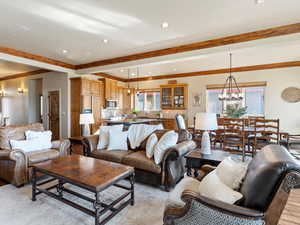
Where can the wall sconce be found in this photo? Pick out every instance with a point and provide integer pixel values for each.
(20, 90)
(2, 93)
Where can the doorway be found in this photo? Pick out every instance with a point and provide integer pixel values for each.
(54, 114)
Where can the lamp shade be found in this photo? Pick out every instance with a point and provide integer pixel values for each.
(86, 118)
(206, 121)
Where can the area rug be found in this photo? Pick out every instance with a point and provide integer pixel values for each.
(16, 208)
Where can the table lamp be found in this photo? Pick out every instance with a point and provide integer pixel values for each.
(86, 119)
(206, 122)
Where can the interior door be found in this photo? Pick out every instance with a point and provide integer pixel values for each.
(54, 114)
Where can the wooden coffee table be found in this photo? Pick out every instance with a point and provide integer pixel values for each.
(90, 174)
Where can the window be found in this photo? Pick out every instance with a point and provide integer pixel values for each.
(148, 101)
(253, 100)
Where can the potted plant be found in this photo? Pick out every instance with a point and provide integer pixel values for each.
(235, 111)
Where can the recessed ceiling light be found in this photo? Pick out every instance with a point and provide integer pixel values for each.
(132, 74)
(174, 69)
(165, 25)
(23, 27)
(65, 51)
(259, 1)
(121, 70)
(105, 41)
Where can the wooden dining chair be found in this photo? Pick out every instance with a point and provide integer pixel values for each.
(251, 120)
(266, 131)
(234, 136)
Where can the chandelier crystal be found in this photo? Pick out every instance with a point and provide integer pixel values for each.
(231, 91)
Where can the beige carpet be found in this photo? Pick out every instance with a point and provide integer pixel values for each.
(16, 208)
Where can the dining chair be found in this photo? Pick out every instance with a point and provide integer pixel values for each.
(234, 139)
(251, 120)
(266, 131)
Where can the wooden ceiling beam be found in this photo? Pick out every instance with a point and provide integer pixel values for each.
(234, 39)
(26, 74)
(18, 53)
(106, 75)
(220, 71)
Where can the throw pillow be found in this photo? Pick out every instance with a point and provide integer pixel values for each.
(169, 139)
(151, 142)
(232, 171)
(117, 140)
(212, 187)
(43, 137)
(27, 145)
(104, 135)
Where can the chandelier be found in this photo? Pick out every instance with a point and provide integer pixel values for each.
(231, 91)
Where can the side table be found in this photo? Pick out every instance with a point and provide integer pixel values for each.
(195, 160)
(77, 141)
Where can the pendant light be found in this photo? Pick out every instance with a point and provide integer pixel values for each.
(231, 91)
(128, 88)
(137, 83)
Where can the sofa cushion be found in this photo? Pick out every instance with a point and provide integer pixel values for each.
(41, 156)
(141, 161)
(16, 133)
(265, 172)
(187, 183)
(158, 133)
(113, 156)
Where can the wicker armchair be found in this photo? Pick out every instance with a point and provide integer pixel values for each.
(270, 177)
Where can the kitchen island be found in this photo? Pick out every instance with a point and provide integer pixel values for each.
(167, 122)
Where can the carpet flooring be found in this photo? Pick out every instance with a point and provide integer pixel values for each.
(19, 209)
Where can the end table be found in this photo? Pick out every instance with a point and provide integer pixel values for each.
(77, 141)
(195, 160)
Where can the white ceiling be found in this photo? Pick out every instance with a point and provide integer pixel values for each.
(11, 68)
(283, 50)
(132, 26)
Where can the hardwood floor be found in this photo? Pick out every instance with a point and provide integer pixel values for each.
(291, 213)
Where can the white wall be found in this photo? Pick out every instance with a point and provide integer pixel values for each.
(275, 106)
(56, 81)
(18, 107)
(14, 105)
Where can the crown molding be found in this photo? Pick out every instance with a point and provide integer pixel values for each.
(26, 74)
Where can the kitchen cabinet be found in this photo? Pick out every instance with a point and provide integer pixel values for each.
(111, 89)
(86, 94)
(174, 96)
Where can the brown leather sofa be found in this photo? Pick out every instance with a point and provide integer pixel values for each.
(15, 164)
(270, 177)
(168, 173)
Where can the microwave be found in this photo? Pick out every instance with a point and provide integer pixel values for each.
(112, 104)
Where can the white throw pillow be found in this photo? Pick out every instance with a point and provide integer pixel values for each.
(117, 140)
(151, 142)
(104, 135)
(27, 145)
(212, 187)
(43, 137)
(232, 171)
(169, 139)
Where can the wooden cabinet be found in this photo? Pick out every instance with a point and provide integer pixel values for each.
(111, 89)
(86, 94)
(174, 96)
(128, 100)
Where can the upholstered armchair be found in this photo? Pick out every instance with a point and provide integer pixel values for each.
(15, 165)
(271, 175)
